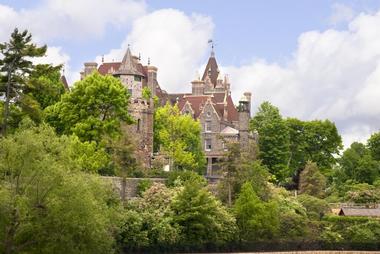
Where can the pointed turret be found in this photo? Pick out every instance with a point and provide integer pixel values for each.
(212, 70)
(128, 66)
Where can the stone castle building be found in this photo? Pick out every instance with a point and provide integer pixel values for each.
(210, 102)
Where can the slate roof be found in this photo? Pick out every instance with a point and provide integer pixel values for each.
(211, 66)
(364, 212)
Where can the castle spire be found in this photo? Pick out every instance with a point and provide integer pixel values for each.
(128, 65)
(211, 70)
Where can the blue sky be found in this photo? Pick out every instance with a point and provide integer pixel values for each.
(312, 59)
(243, 29)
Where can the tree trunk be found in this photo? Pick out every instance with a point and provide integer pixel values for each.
(229, 194)
(6, 105)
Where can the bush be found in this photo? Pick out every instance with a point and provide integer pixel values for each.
(143, 185)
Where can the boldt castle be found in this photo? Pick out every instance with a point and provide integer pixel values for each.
(209, 101)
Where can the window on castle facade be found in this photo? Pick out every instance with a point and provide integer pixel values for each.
(137, 78)
(208, 145)
(208, 126)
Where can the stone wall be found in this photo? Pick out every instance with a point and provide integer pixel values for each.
(128, 189)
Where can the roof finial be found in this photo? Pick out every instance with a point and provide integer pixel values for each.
(63, 70)
(148, 60)
(210, 41)
(139, 56)
(102, 58)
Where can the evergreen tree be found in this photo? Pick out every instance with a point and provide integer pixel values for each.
(312, 181)
(15, 65)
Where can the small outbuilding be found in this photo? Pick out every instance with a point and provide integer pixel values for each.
(359, 212)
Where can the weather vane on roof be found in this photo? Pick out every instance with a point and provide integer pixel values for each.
(210, 41)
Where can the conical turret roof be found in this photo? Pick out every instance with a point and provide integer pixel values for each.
(211, 69)
(128, 65)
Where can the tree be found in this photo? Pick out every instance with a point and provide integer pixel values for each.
(148, 223)
(256, 220)
(317, 141)
(273, 140)
(48, 204)
(16, 64)
(179, 137)
(240, 167)
(44, 85)
(95, 108)
(357, 164)
(316, 208)
(374, 145)
(201, 218)
(312, 181)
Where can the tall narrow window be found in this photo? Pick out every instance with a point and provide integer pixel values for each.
(208, 145)
(208, 126)
(138, 125)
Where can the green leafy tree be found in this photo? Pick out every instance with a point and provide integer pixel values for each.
(317, 141)
(95, 108)
(179, 137)
(201, 218)
(238, 168)
(256, 220)
(312, 181)
(44, 85)
(374, 145)
(274, 143)
(148, 223)
(15, 65)
(357, 164)
(294, 223)
(48, 204)
(316, 208)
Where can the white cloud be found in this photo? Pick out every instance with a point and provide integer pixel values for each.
(70, 19)
(174, 42)
(332, 74)
(341, 13)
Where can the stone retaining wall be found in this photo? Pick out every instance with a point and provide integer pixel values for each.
(128, 188)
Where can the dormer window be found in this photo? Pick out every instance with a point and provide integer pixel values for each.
(138, 78)
(208, 113)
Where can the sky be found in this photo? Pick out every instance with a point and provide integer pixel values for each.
(312, 59)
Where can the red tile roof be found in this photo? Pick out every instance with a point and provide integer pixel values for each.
(197, 103)
(105, 68)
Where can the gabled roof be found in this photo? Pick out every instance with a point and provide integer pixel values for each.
(217, 99)
(212, 68)
(366, 212)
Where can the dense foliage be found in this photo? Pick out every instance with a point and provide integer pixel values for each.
(178, 136)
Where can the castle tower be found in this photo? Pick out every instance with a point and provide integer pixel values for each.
(152, 79)
(89, 67)
(130, 74)
(244, 119)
